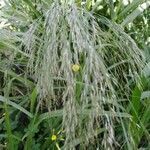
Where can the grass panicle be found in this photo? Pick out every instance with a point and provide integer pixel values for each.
(80, 68)
(71, 35)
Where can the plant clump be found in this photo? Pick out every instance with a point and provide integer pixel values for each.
(102, 58)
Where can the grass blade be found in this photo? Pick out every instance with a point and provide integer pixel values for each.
(2, 99)
(131, 6)
(135, 13)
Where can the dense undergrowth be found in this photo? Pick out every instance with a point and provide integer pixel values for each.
(74, 75)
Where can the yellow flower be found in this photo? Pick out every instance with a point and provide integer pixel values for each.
(75, 67)
(54, 137)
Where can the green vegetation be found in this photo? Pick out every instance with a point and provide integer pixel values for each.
(74, 75)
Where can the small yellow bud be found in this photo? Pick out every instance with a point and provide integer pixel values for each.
(75, 67)
(54, 137)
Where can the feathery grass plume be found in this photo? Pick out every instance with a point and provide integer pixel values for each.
(107, 58)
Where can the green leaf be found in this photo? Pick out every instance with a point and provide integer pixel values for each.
(136, 95)
(33, 99)
(112, 12)
(47, 115)
(88, 4)
(130, 7)
(3, 99)
(135, 13)
(78, 2)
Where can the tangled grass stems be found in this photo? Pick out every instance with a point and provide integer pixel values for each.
(72, 36)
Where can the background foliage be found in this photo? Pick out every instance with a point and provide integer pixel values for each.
(45, 104)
